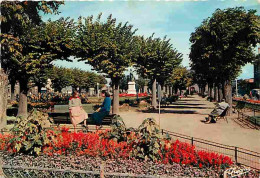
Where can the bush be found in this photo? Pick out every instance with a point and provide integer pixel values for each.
(146, 143)
(28, 135)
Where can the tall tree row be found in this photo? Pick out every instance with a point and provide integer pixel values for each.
(156, 59)
(221, 45)
(29, 46)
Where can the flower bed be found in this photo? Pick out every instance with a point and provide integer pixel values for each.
(97, 144)
(247, 100)
(144, 144)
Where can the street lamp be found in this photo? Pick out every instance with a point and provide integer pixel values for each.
(236, 89)
(98, 90)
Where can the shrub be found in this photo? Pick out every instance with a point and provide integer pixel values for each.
(146, 144)
(118, 129)
(29, 135)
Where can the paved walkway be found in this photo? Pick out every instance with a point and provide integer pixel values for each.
(185, 117)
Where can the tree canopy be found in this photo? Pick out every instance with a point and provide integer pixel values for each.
(107, 47)
(222, 44)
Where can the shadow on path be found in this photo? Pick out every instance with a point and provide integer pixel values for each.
(187, 100)
(187, 104)
(186, 107)
(170, 111)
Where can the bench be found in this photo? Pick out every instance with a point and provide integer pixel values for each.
(239, 107)
(255, 120)
(64, 118)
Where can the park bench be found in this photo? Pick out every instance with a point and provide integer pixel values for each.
(245, 119)
(239, 107)
(64, 118)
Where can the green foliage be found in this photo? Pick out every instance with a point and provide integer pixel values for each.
(222, 44)
(22, 21)
(148, 144)
(123, 85)
(29, 134)
(106, 46)
(145, 140)
(118, 129)
(181, 78)
(141, 82)
(62, 77)
(155, 58)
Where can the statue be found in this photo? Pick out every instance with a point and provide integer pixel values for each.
(131, 84)
(131, 76)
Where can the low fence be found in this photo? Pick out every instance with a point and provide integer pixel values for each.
(27, 172)
(245, 117)
(238, 155)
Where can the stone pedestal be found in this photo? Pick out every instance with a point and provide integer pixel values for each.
(131, 88)
(91, 91)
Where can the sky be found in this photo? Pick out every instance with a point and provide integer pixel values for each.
(176, 19)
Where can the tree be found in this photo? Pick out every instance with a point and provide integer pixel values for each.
(228, 38)
(141, 83)
(155, 60)
(124, 83)
(40, 78)
(60, 78)
(107, 47)
(180, 78)
(41, 42)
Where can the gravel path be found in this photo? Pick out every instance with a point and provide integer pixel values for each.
(185, 117)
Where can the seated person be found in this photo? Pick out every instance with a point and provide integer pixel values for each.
(164, 98)
(77, 113)
(103, 111)
(218, 110)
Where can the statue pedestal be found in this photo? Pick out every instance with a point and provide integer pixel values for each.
(131, 88)
(91, 91)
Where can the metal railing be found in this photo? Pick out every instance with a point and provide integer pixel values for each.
(238, 155)
(32, 172)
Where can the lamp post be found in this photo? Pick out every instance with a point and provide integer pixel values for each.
(236, 89)
(159, 100)
(98, 90)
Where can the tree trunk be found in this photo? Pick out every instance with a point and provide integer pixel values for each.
(210, 91)
(215, 93)
(223, 90)
(39, 88)
(154, 102)
(176, 90)
(220, 94)
(12, 91)
(22, 110)
(228, 95)
(115, 96)
(3, 98)
(145, 89)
